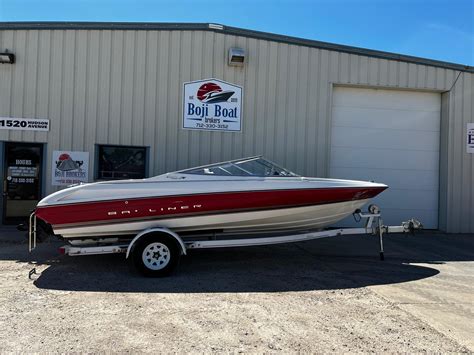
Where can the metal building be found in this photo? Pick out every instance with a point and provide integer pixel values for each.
(320, 109)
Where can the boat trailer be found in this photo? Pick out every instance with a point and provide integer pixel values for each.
(373, 226)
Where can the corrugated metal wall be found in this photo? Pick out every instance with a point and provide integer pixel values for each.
(125, 87)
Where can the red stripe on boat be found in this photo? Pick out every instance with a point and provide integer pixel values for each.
(167, 206)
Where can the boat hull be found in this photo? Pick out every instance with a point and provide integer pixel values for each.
(238, 205)
(279, 219)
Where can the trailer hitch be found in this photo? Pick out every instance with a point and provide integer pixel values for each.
(412, 225)
(409, 226)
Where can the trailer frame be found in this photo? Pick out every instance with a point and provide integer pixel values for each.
(373, 226)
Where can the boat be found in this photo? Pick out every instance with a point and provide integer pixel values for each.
(243, 196)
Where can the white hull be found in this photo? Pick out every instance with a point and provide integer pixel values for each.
(295, 218)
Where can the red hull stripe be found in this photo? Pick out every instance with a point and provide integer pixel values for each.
(167, 206)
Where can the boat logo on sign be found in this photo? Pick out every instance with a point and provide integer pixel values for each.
(66, 163)
(212, 93)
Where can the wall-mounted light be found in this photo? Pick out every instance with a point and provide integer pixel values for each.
(237, 57)
(7, 58)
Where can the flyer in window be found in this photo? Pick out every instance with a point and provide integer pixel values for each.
(69, 168)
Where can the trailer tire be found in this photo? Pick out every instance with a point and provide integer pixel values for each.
(156, 255)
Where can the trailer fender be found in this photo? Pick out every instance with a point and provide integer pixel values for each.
(154, 230)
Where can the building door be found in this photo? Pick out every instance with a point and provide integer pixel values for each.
(392, 137)
(21, 180)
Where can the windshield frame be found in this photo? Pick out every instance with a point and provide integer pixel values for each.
(274, 170)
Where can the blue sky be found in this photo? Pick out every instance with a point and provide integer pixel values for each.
(437, 29)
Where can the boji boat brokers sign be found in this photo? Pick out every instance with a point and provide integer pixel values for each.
(470, 138)
(70, 168)
(212, 104)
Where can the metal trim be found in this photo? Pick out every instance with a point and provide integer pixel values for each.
(147, 26)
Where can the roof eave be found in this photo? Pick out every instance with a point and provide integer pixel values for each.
(218, 28)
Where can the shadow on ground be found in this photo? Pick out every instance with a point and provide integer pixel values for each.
(325, 264)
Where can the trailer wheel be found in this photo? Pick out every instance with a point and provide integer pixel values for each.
(156, 255)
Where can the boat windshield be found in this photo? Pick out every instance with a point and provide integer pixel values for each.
(257, 166)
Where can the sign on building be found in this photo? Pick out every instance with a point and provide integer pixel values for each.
(70, 168)
(213, 105)
(470, 138)
(24, 124)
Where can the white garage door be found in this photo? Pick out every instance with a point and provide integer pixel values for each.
(391, 137)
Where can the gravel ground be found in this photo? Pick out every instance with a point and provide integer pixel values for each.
(308, 297)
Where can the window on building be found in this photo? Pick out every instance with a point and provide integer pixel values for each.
(121, 162)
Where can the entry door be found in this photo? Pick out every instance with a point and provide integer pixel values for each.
(21, 180)
(392, 137)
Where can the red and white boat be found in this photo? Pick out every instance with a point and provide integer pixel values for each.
(240, 196)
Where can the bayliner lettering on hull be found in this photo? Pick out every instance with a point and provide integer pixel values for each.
(161, 209)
